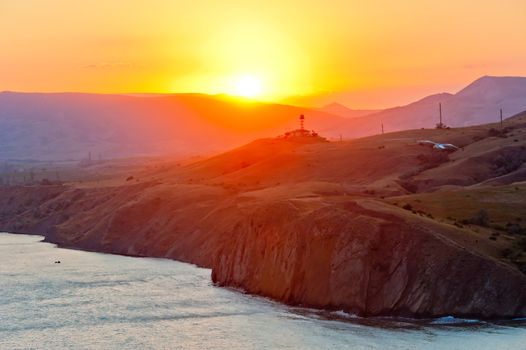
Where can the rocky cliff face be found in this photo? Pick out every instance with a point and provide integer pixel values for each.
(335, 252)
(368, 262)
(308, 223)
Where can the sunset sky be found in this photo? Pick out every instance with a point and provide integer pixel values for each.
(366, 54)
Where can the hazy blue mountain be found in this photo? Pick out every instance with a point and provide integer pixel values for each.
(70, 125)
(477, 103)
(346, 112)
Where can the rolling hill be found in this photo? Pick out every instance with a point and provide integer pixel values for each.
(345, 112)
(478, 103)
(58, 126)
(70, 125)
(374, 226)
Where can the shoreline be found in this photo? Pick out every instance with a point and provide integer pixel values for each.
(450, 320)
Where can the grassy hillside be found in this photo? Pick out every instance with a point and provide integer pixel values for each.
(374, 226)
(69, 125)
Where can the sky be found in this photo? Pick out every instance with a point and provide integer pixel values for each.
(365, 54)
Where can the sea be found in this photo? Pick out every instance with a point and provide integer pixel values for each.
(55, 298)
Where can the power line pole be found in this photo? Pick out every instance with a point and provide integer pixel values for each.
(382, 128)
(501, 118)
(440, 113)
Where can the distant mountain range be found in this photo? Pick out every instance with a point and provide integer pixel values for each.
(478, 103)
(345, 112)
(53, 126)
(71, 125)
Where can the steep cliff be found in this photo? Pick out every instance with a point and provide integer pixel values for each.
(365, 261)
(315, 224)
(334, 252)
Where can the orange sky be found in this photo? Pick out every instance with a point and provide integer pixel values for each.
(372, 53)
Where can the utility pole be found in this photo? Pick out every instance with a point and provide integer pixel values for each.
(501, 118)
(382, 128)
(440, 113)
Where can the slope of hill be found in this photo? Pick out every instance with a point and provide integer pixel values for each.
(70, 125)
(338, 225)
(478, 103)
(345, 112)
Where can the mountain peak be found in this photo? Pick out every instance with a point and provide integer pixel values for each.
(435, 98)
(341, 110)
(334, 105)
(494, 86)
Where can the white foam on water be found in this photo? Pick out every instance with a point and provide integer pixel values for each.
(344, 314)
(454, 320)
(102, 301)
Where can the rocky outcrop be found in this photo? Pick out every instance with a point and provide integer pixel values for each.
(365, 262)
(331, 252)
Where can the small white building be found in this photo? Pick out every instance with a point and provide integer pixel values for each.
(301, 132)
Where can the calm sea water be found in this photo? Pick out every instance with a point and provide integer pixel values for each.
(101, 301)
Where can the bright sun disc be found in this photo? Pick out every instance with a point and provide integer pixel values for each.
(248, 86)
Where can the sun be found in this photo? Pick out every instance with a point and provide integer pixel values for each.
(248, 86)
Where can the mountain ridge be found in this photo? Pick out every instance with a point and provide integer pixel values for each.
(350, 225)
(473, 105)
(70, 125)
(346, 112)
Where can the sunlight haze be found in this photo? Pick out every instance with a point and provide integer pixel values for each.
(366, 54)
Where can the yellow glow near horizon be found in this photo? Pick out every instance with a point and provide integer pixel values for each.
(248, 86)
(365, 54)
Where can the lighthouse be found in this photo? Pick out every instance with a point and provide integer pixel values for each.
(302, 132)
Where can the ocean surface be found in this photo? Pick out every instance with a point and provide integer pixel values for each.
(101, 301)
